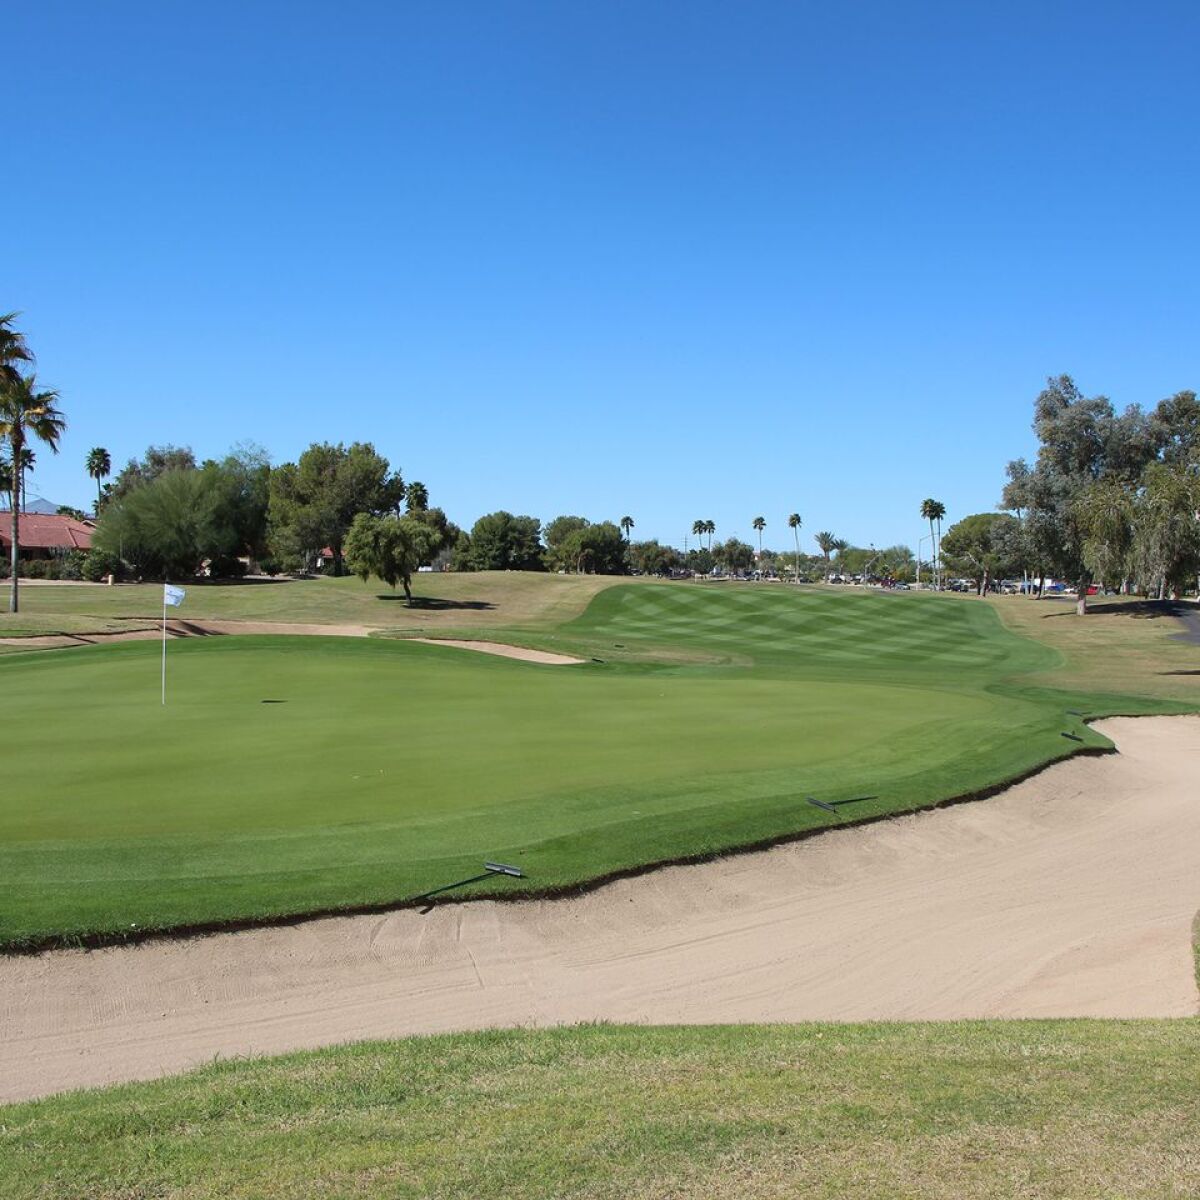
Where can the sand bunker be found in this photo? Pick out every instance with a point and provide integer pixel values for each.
(536, 656)
(1071, 894)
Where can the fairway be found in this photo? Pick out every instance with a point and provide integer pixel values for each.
(292, 775)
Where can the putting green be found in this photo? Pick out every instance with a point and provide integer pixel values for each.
(289, 775)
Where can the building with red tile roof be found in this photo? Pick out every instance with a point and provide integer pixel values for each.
(42, 536)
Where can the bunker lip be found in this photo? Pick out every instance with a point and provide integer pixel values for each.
(503, 650)
(1071, 896)
(106, 939)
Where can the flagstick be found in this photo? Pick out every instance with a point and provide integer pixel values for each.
(164, 650)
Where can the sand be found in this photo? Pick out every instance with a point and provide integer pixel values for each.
(1071, 894)
(525, 655)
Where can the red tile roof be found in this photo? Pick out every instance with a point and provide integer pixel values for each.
(46, 533)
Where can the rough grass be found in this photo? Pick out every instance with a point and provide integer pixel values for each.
(446, 600)
(1070, 1110)
(381, 769)
(1122, 645)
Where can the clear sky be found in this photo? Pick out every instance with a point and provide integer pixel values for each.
(675, 260)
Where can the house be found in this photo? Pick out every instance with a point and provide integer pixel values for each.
(45, 536)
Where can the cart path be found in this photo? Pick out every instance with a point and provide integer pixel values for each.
(1071, 894)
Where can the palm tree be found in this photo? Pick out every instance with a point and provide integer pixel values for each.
(759, 523)
(794, 526)
(13, 351)
(6, 479)
(934, 510)
(827, 544)
(99, 464)
(698, 528)
(26, 412)
(710, 527)
(626, 525)
(28, 460)
(841, 546)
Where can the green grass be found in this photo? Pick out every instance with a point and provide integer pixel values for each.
(392, 768)
(1069, 1110)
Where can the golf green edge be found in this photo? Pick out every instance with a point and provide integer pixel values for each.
(288, 777)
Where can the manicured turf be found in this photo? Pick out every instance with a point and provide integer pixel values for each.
(1070, 1110)
(383, 769)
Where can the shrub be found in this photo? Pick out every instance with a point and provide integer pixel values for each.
(98, 565)
(70, 566)
(225, 566)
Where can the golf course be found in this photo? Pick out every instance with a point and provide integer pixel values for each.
(294, 775)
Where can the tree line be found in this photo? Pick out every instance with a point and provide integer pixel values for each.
(1112, 499)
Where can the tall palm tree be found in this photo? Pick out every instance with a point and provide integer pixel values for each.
(827, 543)
(698, 529)
(759, 523)
(626, 525)
(934, 510)
(28, 461)
(794, 526)
(710, 527)
(26, 412)
(99, 464)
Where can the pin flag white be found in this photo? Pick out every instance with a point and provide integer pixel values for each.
(174, 597)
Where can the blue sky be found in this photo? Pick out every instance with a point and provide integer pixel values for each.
(675, 260)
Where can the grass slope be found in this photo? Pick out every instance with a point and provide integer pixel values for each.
(1071, 1110)
(385, 769)
(445, 600)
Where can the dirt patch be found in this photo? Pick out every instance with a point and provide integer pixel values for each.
(1070, 894)
(504, 651)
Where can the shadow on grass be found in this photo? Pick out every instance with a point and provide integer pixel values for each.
(1145, 610)
(434, 604)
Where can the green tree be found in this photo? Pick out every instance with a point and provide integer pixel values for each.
(390, 548)
(933, 511)
(503, 542)
(560, 557)
(1105, 513)
(626, 526)
(27, 460)
(416, 497)
(759, 523)
(1082, 442)
(735, 555)
(158, 460)
(15, 355)
(25, 412)
(1167, 528)
(651, 558)
(99, 466)
(983, 547)
(827, 543)
(842, 547)
(596, 549)
(314, 500)
(794, 523)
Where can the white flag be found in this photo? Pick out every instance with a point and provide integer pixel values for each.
(173, 595)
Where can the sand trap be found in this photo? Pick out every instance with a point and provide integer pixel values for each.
(1071, 894)
(536, 656)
